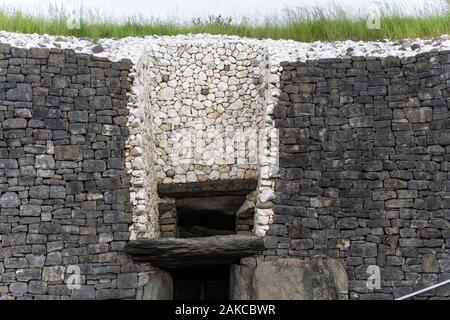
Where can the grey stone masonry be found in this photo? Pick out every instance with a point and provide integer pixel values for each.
(64, 192)
(353, 163)
(364, 177)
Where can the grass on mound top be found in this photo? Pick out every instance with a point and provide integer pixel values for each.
(297, 24)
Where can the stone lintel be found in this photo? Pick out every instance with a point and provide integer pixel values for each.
(173, 253)
(208, 188)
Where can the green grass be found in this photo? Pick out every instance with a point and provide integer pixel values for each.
(301, 25)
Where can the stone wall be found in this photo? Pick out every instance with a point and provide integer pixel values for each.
(64, 189)
(141, 155)
(364, 162)
(350, 155)
(207, 108)
(199, 117)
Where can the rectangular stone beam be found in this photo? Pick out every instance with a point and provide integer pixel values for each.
(173, 253)
(208, 188)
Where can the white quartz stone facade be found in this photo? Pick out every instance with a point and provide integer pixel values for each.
(207, 110)
(141, 157)
(198, 114)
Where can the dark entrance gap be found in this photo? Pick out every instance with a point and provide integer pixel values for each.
(207, 216)
(208, 188)
(202, 283)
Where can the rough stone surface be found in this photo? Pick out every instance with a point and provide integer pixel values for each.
(158, 287)
(188, 252)
(294, 279)
(364, 171)
(9, 200)
(241, 282)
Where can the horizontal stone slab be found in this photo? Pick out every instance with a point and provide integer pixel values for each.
(173, 253)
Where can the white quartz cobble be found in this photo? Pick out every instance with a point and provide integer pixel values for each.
(279, 50)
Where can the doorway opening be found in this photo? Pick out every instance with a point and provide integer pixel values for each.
(202, 283)
(206, 209)
(207, 216)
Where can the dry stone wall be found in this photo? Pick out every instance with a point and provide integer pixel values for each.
(64, 189)
(350, 155)
(364, 162)
(207, 108)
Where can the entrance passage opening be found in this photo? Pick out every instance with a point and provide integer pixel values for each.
(207, 216)
(215, 208)
(202, 283)
(205, 228)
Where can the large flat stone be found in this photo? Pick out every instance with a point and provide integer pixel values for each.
(208, 188)
(70, 152)
(294, 279)
(9, 200)
(22, 92)
(185, 252)
(241, 282)
(158, 287)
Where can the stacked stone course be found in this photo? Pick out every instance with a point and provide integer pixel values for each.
(207, 104)
(64, 191)
(364, 159)
(353, 164)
